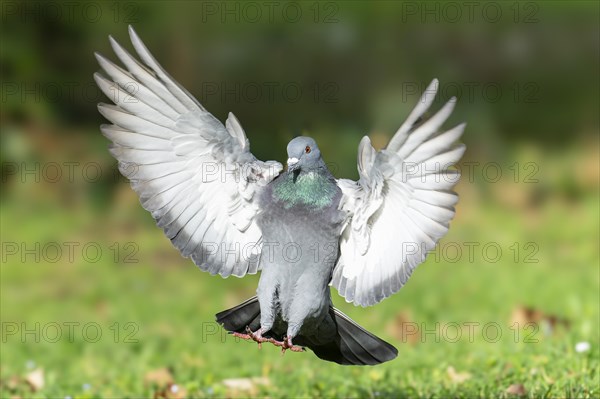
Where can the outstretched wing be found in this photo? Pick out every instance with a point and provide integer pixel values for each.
(196, 176)
(400, 207)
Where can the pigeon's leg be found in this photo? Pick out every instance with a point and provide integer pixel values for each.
(267, 293)
(309, 303)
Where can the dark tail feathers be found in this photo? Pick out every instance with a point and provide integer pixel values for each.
(353, 345)
(237, 318)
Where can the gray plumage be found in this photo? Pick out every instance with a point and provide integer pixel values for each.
(302, 228)
(301, 222)
(297, 266)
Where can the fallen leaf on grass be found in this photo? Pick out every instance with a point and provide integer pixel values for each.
(523, 316)
(516, 389)
(244, 386)
(161, 377)
(12, 384)
(404, 329)
(458, 378)
(171, 391)
(35, 379)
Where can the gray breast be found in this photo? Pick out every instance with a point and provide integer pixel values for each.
(314, 230)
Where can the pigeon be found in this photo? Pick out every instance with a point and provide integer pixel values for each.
(303, 229)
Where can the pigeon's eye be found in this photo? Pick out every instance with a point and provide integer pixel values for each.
(307, 150)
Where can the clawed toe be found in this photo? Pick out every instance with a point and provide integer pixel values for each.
(257, 337)
(286, 344)
(241, 335)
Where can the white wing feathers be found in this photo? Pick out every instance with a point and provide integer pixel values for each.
(196, 176)
(400, 207)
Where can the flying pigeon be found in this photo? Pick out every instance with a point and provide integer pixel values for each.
(302, 228)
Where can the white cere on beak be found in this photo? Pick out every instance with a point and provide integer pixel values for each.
(292, 161)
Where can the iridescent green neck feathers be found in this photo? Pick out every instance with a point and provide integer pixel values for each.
(314, 189)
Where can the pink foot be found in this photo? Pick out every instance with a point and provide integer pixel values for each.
(257, 337)
(254, 336)
(287, 344)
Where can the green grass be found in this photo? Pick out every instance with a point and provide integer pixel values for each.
(170, 306)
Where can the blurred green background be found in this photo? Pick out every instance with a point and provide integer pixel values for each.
(96, 303)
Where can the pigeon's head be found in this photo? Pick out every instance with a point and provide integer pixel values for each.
(303, 153)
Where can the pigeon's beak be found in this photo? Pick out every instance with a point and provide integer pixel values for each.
(292, 164)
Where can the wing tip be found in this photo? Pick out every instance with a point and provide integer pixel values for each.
(135, 38)
(432, 87)
(131, 30)
(113, 42)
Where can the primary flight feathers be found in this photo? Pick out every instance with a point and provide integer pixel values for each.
(179, 152)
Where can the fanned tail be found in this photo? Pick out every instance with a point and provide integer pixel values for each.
(353, 345)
